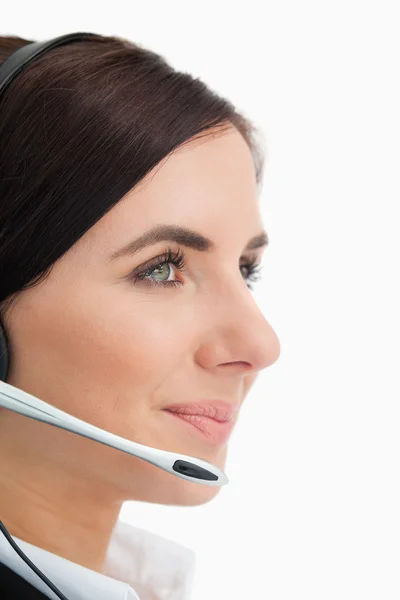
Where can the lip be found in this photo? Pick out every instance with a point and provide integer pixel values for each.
(213, 420)
(219, 410)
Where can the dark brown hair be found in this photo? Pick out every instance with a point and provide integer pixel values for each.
(80, 127)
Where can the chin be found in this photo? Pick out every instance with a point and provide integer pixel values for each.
(128, 478)
(182, 492)
(196, 494)
(149, 483)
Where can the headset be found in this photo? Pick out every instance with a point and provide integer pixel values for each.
(19, 401)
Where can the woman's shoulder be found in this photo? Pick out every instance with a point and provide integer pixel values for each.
(13, 586)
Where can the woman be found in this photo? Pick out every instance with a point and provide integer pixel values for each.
(102, 142)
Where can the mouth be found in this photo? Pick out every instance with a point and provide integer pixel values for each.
(215, 432)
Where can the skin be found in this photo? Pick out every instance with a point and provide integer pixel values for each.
(114, 353)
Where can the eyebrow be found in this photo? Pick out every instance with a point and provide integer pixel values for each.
(183, 236)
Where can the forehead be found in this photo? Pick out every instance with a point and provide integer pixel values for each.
(208, 184)
(201, 182)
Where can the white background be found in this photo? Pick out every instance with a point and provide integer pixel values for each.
(312, 507)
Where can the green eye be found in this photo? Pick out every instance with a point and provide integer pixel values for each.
(157, 273)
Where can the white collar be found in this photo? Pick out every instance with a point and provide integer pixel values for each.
(139, 565)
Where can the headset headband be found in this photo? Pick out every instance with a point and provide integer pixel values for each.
(25, 55)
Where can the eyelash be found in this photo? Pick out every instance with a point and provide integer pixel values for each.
(178, 260)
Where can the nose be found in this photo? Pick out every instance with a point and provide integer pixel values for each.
(236, 334)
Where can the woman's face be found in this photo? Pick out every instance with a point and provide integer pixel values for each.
(115, 351)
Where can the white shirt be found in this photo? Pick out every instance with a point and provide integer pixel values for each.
(155, 568)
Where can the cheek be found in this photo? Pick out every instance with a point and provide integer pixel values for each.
(144, 339)
(139, 346)
(119, 359)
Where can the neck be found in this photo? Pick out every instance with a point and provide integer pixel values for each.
(55, 510)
